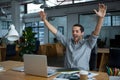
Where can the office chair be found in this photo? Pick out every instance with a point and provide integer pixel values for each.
(10, 51)
(37, 44)
(93, 58)
(114, 58)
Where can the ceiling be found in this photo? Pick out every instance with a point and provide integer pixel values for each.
(7, 3)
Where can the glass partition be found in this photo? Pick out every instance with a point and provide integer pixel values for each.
(60, 23)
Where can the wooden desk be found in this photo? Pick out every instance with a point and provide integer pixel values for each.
(13, 75)
(104, 58)
(103, 50)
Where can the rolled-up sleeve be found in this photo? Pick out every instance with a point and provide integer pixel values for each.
(92, 40)
(61, 38)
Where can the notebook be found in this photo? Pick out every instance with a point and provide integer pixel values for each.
(36, 65)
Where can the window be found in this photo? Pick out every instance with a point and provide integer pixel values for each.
(116, 20)
(38, 28)
(60, 23)
(32, 8)
(6, 24)
(107, 21)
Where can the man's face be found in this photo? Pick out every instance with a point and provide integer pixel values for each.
(77, 34)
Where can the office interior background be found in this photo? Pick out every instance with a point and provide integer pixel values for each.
(24, 13)
(62, 14)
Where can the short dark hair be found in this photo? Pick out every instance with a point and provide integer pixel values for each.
(81, 27)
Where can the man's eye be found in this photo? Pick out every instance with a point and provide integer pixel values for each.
(77, 31)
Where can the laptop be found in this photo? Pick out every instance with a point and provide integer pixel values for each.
(36, 65)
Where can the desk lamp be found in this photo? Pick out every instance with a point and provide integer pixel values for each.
(12, 34)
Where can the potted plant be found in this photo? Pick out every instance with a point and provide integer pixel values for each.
(27, 43)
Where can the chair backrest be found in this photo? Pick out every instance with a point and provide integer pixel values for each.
(93, 59)
(11, 50)
(114, 57)
(37, 44)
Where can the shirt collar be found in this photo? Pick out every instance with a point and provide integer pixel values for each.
(79, 42)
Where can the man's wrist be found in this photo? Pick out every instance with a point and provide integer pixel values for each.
(101, 18)
(44, 19)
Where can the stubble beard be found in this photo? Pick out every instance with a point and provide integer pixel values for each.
(76, 39)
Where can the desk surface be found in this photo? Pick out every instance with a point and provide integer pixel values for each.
(13, 75)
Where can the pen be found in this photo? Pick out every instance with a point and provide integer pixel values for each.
(111, 72)
(116, 71)
(108, 71)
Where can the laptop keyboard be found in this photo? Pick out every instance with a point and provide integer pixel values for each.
(50, 70)
(20, 68)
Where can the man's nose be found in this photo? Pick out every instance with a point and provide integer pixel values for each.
(74, 32)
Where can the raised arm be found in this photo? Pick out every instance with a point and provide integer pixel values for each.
(101, 14)
(49, 26)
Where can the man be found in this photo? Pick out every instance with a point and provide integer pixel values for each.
(78, 50)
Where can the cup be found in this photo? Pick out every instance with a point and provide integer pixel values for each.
(83, 75)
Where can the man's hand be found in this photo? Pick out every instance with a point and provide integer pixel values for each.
(101, 11)
(48, 25)
(42, 15)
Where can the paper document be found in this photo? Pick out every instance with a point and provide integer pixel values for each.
(2, 69)
(73, 75)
